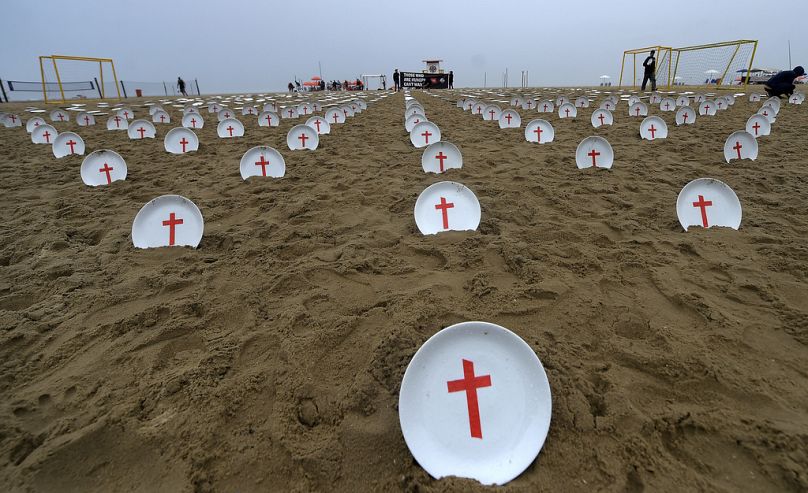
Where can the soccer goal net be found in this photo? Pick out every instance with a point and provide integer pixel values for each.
(70, 77)
(725, 64)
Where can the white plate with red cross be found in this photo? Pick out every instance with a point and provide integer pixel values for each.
(447, 206)
(685, 116)
(492, 112)
(475, 402)
(601, 117)
(67, 144)
(707, 108)
(305, 109)
(11, 120)
(414, 120)
(768, 112)
(44, 134)
(31, 124)
(607, 105)
(539, 131)
(181, 140)
(59, 116)
(348, 110)
(561, 100)
(582, 102)
(319, 124)
(441, 156)
(424, 133)
(302, 137)
(269, 119)
(545, 106)
(567, 110)
(528, 104)
(141, 129)
(594, 152)
(740, 145)
(262, 161)
(638, 109)
(168, 220)
(758, 126)
(126, 113)
(667, 104)
(653, 127)
(193, 121)
(707, 202)
(102, 167)
(116, 122)
(225, 114)
(230, 128)
(249, 111)
(161, 116)
(510, 119)
(334, 116)
(85, 119)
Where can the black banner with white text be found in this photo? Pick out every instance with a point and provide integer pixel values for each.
(419, 80)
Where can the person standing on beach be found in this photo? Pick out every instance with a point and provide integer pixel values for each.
(782, 83)
(650, 71)
(451, 80)
(396, 79)
(181, 86)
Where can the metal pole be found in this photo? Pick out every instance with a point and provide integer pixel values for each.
(42, 71)
(165, 88)
(101, 73)
(124, 91)
(115, 77)
(58, 78)
(485, 79)
(789, 54)
(197, 87)
(97, 86)
(3, 90)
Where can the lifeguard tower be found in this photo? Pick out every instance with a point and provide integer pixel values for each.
(433, 67)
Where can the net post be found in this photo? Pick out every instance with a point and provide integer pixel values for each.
(98, 88)
(42, 72)
(197, 87)
(676, 67)
(58, 77)
(634, 65)
(115, 76)
(102, 92)
(124, 91)
(749, 69)
(165, 89)
(729, 64)
(3, 90)
(622, 66)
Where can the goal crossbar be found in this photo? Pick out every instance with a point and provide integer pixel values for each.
(54, 58)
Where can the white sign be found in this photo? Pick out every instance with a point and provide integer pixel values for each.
(447, 206)
(67, 144)
(594, 152)
(475, 402)
(102, 168)
(168, 220)
(441, 156)
(262, 161)
(707, 202)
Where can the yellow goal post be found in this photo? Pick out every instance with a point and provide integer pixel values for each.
(53, 60)
(727, 64)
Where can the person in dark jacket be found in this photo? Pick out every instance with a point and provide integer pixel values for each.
(181, 86)
(650, 71)
(451, 80)
(782, 83)
(396, 80)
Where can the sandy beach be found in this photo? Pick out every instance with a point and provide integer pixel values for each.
(270, 358)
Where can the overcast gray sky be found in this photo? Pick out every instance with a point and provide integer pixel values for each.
(250, 46)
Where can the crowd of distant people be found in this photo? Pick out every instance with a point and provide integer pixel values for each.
(358, 85)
